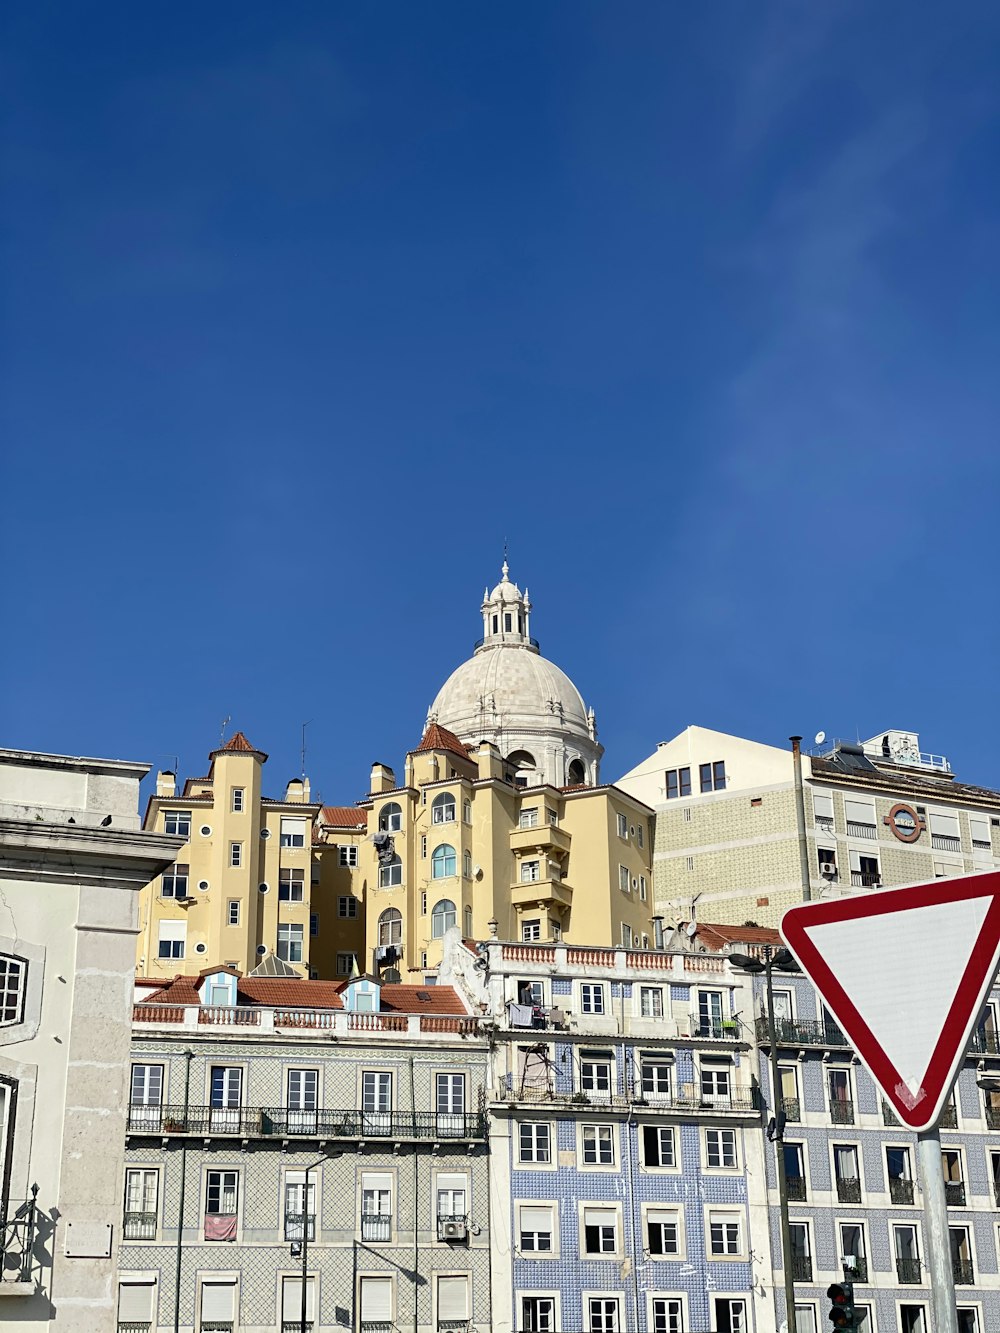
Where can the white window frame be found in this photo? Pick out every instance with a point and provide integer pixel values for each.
(347, 855)
(237, 802)
(291, 938)
(235, 855)
(530, 871)
(592, 998)
(721, 1136)
(347, 907)
(538, 1143)
(727, 1218)
(597, 1147)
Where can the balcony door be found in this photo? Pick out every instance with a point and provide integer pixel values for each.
(226, 1097)
(303, 1092)
(376, 1102)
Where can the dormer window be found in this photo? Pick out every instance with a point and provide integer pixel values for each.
(13, 975)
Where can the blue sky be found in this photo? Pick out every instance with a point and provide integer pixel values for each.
(306, 308)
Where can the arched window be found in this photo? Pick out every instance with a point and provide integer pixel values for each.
(468, 923)
(13, 973)
(443, 809)
(443, 862)
(467, 864)
(521, 761)
(390, 818)
(576, 773)
(390, 926)
(442, 917)
(390, 875)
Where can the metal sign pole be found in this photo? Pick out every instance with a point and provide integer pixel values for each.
(944, 1314)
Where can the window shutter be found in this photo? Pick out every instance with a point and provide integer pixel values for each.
(173, 930)
(373, 1182)
(449, 1181)
(946, 825)
(218, 1300)
(376, 1300)
(453, 1298)
(599, 1217)
(135, 1301)
(291, 1299)
(823, 804)
(661, 1215)
(980, 827)
(534, 1218)
(290, 827)
(859, 812)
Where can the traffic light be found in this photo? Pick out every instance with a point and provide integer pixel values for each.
(841, 1298)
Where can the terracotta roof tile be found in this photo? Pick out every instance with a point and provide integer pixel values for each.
(717, 937)
(344, 816)
(402, 999)
(298, 993)
(437, 737)
(282, 991)
(237, 744)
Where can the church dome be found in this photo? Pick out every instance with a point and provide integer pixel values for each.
(509, 694)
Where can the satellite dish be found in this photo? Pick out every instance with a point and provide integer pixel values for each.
(819, 738)
(691, 929)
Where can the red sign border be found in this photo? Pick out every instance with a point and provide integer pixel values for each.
(950, 1048)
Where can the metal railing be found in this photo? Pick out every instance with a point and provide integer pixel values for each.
(809, 1032)
(802, 1268)
(377, 1326)
(865, 879)
(18, 1238)
(295, 1222)
(900, 1190)
(716, 1029)
(860, 1269)
(856, 830)
(134, 1325)
(791, 1108)
(842, 1112)
(908, 1270)
(944, 842)
(277, 1121)
(524, 638)
(295, 1325)
(376, 1226)
(888, 1115)
(743, 1100)
(139, 1226)
(963, 1272)
(949, 1117)
(795, 1187)
(848, 1189)
(954, 1193)
(984, 1042)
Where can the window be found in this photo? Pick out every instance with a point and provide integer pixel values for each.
(668, 1314)
(600, 1230)
(291, 1300)
(897, 1164)
(710, 1013)
(852, 1246)
(291, 885)
(528, 818)
(912, 1319)
(376, 1206)
(376, 1303)
(865, 872)
(467, 863)
(221, 1202)
(715, 1085)
(662, 1231)
(538, 1314)
(624, 879)
(290, 942)
(423, 902)
(135, 1302)
(591, 998)
(531, 872)
(795, 1177)
(642, 888)
(823, 810)
(907, 1251)
(467, 812)
(443, 809)
(347, 856)
(968, 1319)
(174, 883)
(347, 906)
(536, 1228)
(443, 917)
(720, 1148)
(623, 826)
(531, 930)
(302, 1094)
(730, 1315)
(961, 1255)
(860, 818)
(712, 776)
(805, 1319)
(945, 834)
(651, 1001)
(300, 1212)
(390, 875)
(678, 782)
(802, 1268)
(654, 1076)
(724, 1234)
(452, 1198)
(449, 1101)
(535, 1142)
(658, 1146)
(147, 1096)
(443, 862)
(390, 818)
(237, 800)
(845, 1170)
(826, 858)
(293, 832)
(640, 836)
(453, 1302)
(313, 923)
(602, 1313)
(218, 1302)
(346, 963)
(841, 1103)
(177, 822)
(954, 1177)
(13, 974)
(595, 1072)
(234, 911)
(979, 826)
(530, 992)
(235, 853)
(598, 1145)
(468, 922)
(172, 935)
(141, 1185)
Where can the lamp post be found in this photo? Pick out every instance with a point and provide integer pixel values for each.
(784, 962)
(304, 1307)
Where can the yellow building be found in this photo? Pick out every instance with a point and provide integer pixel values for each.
(241, 886)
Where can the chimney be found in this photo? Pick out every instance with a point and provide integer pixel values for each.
(383, 778)
(166, 783)
(294, 791)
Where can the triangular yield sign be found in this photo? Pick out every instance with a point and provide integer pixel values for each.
(905, 973)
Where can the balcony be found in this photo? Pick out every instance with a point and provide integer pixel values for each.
(860, 1269)
(18, 1239)
(888, 1115)
(865, 879)
(716, 1029)
(218, 1326)
(791, 1109)
(858, 830)
(544, 892)
(133, 1326)
(954, 1193)
(139, 1226)
(278, 1122)
(949, 1117)
(901, 1190)
(841, 1112)
(992, 1116)
(963, 1272)
(848, 1189)
(295, 1326)
(376, 1226)
(743, 1101)
(377, 1326)
(795, 1188)
(296, 1222)
(805, 1033)
(541, 837)
(802, 1268)
(943, 842)
(985, 1041)
(908, 1270)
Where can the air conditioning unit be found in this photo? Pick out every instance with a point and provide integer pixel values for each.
(453, 1230)
(828, 868)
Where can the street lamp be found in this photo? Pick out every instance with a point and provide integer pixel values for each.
(303, 1248)
(782, 960)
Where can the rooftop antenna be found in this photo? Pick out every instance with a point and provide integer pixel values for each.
(304, 725)
(176, 759)
(222, 731)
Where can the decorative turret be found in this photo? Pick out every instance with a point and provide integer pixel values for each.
(506, 616)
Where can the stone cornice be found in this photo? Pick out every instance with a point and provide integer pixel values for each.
(57, 854)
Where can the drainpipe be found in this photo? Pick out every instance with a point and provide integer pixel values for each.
(180, 1202)
(800, 817)
(416, 1198)
(636, 1251)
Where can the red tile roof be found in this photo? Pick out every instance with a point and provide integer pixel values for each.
(344, 816)
(437, 737)
(237, 744)
(717, 937)
(402, 999)
(282, 991)
(298, 993)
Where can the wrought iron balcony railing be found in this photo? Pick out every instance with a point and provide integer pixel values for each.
(842, 1113)
(860, 1269)
(792, 1108)
(295, 1223)
(279, 1122)
(744, 1100)
(802, 1268)
(900, 1190)
(376, 1226)
(804, 1033)
(134, 1325)
(795, 1188)
(908, 1270)
(848, 1189)
(18, 1231)
(963, 1271)
(954, 1193)
(139, 1226)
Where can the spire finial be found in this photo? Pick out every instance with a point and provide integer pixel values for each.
(503, 570)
